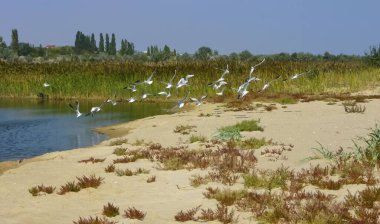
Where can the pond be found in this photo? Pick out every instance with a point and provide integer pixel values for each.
(30, 127)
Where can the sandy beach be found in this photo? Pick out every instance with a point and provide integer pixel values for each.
(304, 126)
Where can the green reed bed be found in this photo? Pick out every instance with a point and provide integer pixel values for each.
(105, 79)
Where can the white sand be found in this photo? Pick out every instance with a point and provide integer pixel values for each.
(302, 124)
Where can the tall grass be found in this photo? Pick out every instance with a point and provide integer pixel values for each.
(104, 79)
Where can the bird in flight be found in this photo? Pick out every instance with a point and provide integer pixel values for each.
(76, 109)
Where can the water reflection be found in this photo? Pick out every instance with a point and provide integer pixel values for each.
(30, 127)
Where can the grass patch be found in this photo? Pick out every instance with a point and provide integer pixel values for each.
(254, 143)
(35, 191)
(110, 168)
(189, 215)
(151, 179)
(95, 220)
(226, 197)
(110, 210)
(184, 129)
(92, 160)
(120, 151)
(92, 181)
(118, 142)
(197, 138)
(133, 213)
(69, 187)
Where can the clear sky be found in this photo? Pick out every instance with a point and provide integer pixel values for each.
(262, 27)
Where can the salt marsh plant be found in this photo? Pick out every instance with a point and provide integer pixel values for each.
(110, 168)
(69, 187)
(184, 129)
(35, 191)
(189, 215)
(197, 138)
(91, 181)
(92, 160)
(110, 210)
(133, 213)
(95, 220)
(151, 179)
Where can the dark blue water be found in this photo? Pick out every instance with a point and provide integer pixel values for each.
(30, 127)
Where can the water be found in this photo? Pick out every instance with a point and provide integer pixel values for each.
(31, 127)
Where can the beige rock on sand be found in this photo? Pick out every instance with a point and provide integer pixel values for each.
(302, 125)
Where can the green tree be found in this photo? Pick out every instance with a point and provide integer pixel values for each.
(113, 45)
(101, 43)
(123, 47)
(14, 43)
(2, 43)
(245, 55)
(203, 53)
(107, 44)
(93, 43)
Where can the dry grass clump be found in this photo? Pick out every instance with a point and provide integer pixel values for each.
(354, 109)
(240, 105)
(69, 187)
(110, 168)
(92, 181)
(35, 191)
(92, 160)
(197, 180)
(221, 214)
(184, 129)
(268, 179)
(151, 179)
(188, 215)
(133, 213)
(226, 197)
(197, 138)
(126, 172)
(120, 151)
(119, 141)
(95, 220)
(125, 159)
(110, 210)
(254, 143)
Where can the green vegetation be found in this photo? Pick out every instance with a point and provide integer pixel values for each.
(232, 132)
(197, 138)
(253, 143)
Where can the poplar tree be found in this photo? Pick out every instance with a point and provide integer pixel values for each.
(107, 44)
(101, 43)
(14, 43)
(93, 43)
(113, 45)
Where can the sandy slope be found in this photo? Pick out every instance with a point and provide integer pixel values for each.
(302, 124)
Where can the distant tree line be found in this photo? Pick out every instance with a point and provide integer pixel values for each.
(86, 47)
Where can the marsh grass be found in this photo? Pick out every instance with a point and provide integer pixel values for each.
(151, 179)
(91, 181)
(222, 214)
(197, 138)
(118, 142)
(184, 129)
(110, 168)
(35, 191)
(95, 220)
(189, 215)
(354, 109)
(69, 187)
(92, 160)
(125, 159)
(226, 197)
(254, 143)
(133, 213)
(120, 151)
(110, 210)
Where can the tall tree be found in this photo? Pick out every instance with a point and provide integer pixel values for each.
(14, 43)
(101, 43)
(107, 44)
(113, 45)
(2, 43)
(93, 43)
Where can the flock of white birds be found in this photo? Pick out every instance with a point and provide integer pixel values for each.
(218, 87)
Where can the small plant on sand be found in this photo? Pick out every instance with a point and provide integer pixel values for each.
(141, 171)
(197, 180)
(286, 100)
(204, 115)
(125, 159)
(188, 215)
(119, 141)
(126, 172)
(92, 181)
(120, 151)
(221, 214)
(110, 210)
(133, 213)
(254, 143)
(35, 191)
(354, 109)
(92, 160)
(110, 168)
(139, 142)
(268, 179)
(69, 187)
(95, 220)
(225, 197)
(184, 129)
(197, 138)
(227, 134)
(151, 179)
(248, 125)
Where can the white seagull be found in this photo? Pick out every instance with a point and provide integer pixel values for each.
(242, 90)
(225, 72)
(163, 93)
(181, 103)
(221, 92)
(296, 76)
(46, 84)
(183, 81)
(149, 81)
(253, 68)
(131, 100)
(198, 101)
(169, 84)
(76, 109)
(94, 110)
(268, 83)
(218, 85)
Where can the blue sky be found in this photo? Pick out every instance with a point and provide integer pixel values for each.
(262, 27)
